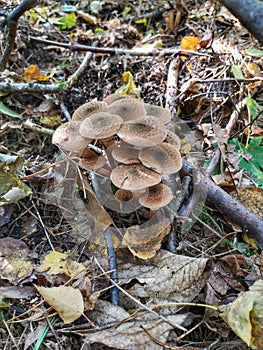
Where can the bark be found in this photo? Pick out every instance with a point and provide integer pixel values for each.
(250, 14)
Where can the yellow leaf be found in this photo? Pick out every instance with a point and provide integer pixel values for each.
(245, 315)
(67, 301)
(33, 73)
(129, 85)
(190, 43)
(57, 263)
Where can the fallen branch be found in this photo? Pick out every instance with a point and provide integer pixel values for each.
(116, 51)
(8, 87)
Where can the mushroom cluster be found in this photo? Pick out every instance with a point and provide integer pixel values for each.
(128, 142)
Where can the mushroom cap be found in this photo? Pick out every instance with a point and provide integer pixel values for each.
(114, 97)
(134, 177)
(163, 158)
(123, 195)
(68, 137)
(90, 160)
(161, 113)
(100, 125)
(156, 196)
(173, 139)
(125, 155)
(83, 111)
(143, 132)
(128, 108)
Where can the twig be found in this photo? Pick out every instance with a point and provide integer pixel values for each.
(37, 128)
(31, 87)
(112, 265)
(11, 21)
(172, 82)
(116, 51)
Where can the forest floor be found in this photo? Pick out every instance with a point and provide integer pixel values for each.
(44, 241)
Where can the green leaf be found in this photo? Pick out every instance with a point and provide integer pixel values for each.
(69, 21)
(141, 21)
(252, 107)
(237, 72)
(8, 111)
(254, 52)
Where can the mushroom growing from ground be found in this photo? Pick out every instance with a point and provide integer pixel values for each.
(159, 112)
(134, 177)
(84, 111)
(90, 160)
(156, 197)
(100, 125)
(125, 155)
(128, 108)
(143, 132)
(68, 137)
(114, 97)
(163, 158)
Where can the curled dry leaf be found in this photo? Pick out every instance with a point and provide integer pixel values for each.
(67, 301)
(143, 242)
(244, 315)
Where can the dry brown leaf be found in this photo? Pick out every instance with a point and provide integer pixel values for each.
(245, 315)
(67, 301)
(167, 276)
(144, 242)
(15, 261)
(121, 334)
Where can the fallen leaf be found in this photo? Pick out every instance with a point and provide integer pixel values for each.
(32, 72)
(67, 301)
(175, 277)
(190, 43)
(244, 316)
(123, 332)
(56, 263)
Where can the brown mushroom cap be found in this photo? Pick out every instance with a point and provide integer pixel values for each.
(134, 177)
(159, 112)
(83, 111)
(100, 125)
(173, 139)
(156, 196)
(143, 132)
(114, 97)
(123, 195)
(163, 158)
(90, 160)
(129, 108)
(68, 137)
(125, 155)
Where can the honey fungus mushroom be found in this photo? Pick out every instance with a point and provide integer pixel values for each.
(134, 177)
(114, 97)
(156, 196)
(125, 155)
(68, 137)
(90, 160)
(163, 158)
(85, 110)
(128, 108)
(100, 125)
(161, 113)
(143, 132)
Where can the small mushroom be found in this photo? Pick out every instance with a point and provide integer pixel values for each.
(125, 155)
(156, 196)
(100, 125)
(114, 97)
(68, 137)
(159, 112)
(84, 111)
(134, 177)
(90, 160)
(163, 158)
(128, 109)
(123, 195)
(143, 132)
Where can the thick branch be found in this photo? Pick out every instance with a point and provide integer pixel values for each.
(250, 14)
(232, 209)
